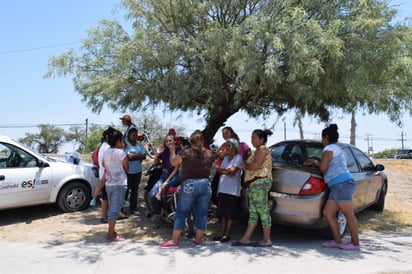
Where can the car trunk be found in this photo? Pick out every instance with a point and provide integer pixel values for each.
(289, 180)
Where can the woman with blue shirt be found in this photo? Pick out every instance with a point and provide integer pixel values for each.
(341, 185)
(136, 153)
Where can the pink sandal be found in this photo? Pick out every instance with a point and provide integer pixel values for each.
(117, 238)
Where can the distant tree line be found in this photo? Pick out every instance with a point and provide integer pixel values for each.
(51, 137)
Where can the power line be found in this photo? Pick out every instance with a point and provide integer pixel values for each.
(38, 48)
(58, 125)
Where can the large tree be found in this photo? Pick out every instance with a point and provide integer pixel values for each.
(219, 57)
(87, 141)
(48, 140)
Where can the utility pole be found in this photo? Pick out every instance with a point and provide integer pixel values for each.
(85, 146)
(370, 147)
(402, 139)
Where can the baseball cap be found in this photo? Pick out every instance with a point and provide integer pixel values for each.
(172, 131)
(126, 118)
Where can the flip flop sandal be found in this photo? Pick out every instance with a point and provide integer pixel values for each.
(225, 239)
(238, 243)
(259, 244)
(117, 238)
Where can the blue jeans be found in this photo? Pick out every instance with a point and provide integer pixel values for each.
(115, 198)
(175, 181)
(195, 194)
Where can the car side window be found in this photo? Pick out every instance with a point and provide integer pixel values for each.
(12, 157)
(4, 154)
(350, 161)
(364, 161)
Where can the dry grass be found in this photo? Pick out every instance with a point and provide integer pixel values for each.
(398, 205)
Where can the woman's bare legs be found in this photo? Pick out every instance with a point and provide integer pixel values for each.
(329, 212)
(249, 231)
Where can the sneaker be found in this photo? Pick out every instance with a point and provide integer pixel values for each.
(135, 212)
(197, 244)
(331, 244)
(126, 203)
(169, 244)
(349, 246)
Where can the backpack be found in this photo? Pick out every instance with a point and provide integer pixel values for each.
(95, 156)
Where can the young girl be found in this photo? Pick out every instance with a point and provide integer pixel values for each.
(116, 167)
(228, 193)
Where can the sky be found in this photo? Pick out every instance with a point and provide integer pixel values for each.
(32, 31)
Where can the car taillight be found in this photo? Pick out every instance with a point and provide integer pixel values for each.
(313, 186)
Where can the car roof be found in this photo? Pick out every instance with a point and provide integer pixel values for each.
(3, 137)
(307, 141)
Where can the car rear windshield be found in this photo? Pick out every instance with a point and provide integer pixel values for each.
(295, 153)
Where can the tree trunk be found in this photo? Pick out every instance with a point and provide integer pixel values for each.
(300, 125)
(353, 129)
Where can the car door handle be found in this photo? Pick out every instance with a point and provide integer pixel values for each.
(2, 177)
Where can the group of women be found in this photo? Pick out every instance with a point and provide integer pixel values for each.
(235, 163)
(256, 167)
(196, 164)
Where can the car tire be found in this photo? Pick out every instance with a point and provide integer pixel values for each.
(342, 225)
(148, 202)
(380, 204)
(190, 225)
(74, 196)
(342, 222)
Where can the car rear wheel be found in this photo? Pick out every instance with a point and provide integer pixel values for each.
(74, 196)
(342, 222)
(190, 225)
(380, 204)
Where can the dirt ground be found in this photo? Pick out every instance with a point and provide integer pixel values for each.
(46, 224)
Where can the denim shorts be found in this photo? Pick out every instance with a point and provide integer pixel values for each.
(115, 198)
(342, 192)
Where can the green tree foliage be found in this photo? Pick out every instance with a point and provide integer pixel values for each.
(154, 126)
(48, 140)
(219, 57)
(77, 135)
(94, 139)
